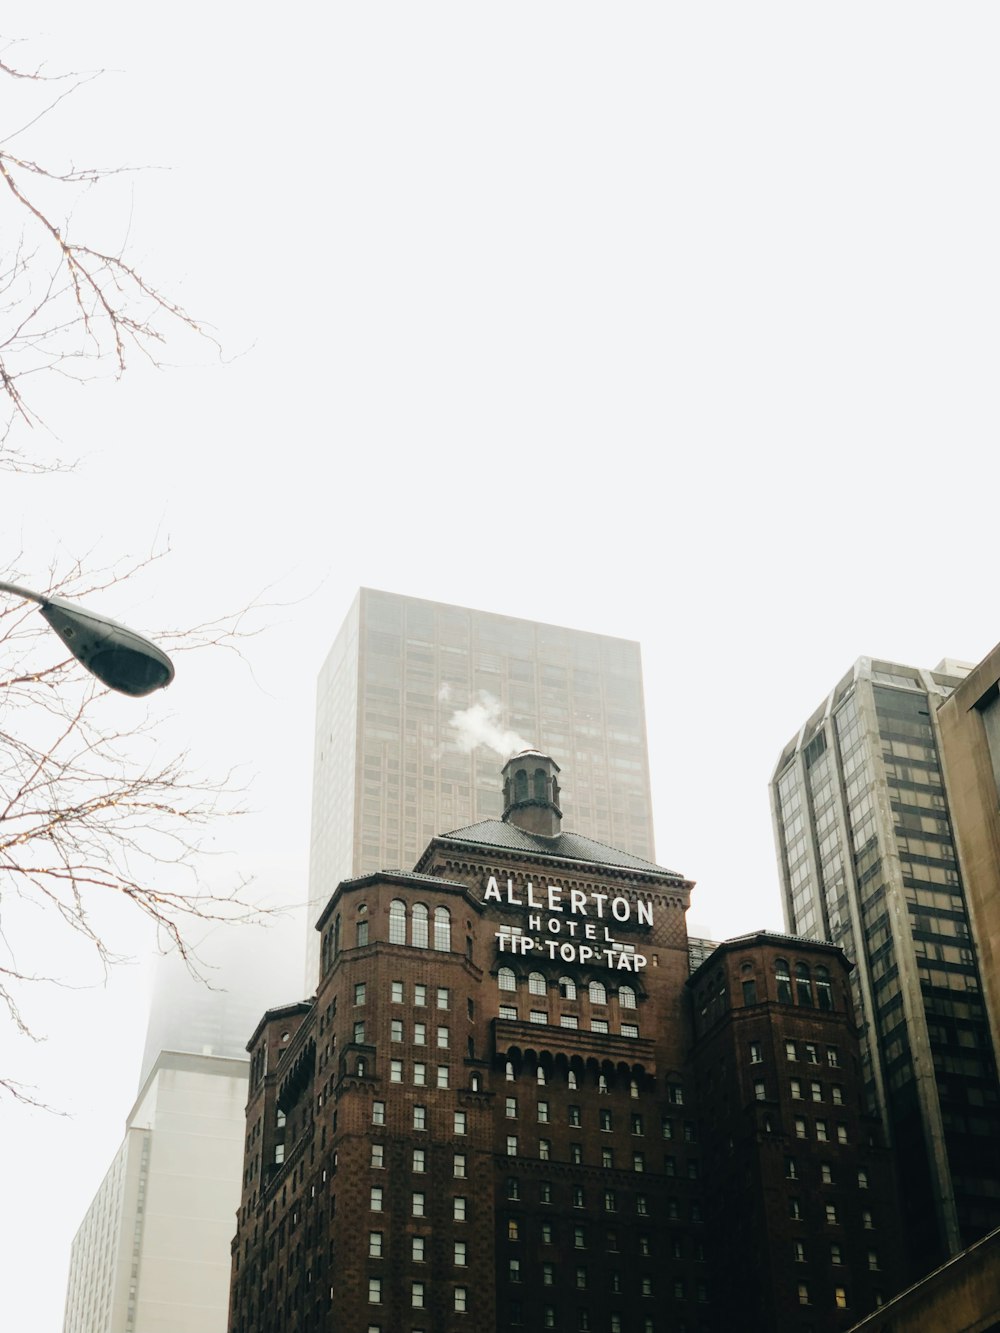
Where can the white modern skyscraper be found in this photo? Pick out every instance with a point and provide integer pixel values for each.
(415, 702)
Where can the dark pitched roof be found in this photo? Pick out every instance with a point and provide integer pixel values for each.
(566, 846)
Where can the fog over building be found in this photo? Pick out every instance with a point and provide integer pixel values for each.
(416, 701)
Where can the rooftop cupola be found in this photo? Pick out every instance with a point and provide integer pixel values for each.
(531, 793)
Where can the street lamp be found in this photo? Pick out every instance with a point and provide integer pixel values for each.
(115, 654)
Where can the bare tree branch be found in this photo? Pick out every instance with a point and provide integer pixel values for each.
(68, 306)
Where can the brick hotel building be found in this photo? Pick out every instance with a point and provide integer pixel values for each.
(509, 1105)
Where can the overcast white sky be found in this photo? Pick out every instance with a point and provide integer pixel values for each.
(700, 298)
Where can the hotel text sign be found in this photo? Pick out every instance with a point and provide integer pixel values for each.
(579, 923)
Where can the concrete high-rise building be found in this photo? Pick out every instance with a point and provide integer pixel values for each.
(868, 859)
(416, 700)
(152, 1253)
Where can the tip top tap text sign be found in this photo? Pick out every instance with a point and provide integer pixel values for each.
(574, 925)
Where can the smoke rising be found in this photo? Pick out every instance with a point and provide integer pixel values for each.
(480, 724)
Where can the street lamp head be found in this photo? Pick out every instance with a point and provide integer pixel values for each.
(119, 657)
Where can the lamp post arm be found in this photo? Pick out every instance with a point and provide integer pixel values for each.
(24, 592)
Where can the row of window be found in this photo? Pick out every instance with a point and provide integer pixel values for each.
(607, 1159)
(806, 1051)
(597, 992)
(795, 1088)
(418, 1295)
(418, 936)
(570, 1021)
(419, 1074)
(460, 1119)
(610, 1201)
(419, 999)
(583, 1316)
(674, 1091)
(836, 1256)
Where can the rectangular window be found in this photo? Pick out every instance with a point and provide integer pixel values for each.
(508, 1011)
(419, 1203)
(636, 1124)
(831, 1214)
(442, 1035)
(836, 1255)
(545, 1192)
(461, 1299)
(799, 1251)
(511, 1108)
(833, 1057)
(417, 1295)
(460, 1122)
(544, 1149)
(359, 992)
(420, 1117)
(675, 1094)
(837, 1093)
(374, 1291)
(395, 1071)
(419, 1160)
(442, 1076)
(578, 1197)
(378, 1156)
(396, 1029)
(821, 1131)
(599, 1025)
(458, 1210)
(362, 933)
(514, 1270)
(791, 1169)
(795, 1209)
(607, 1158)
(642, 1205)
(543, 1113)
(816, 1091)
(511, 1145)
(790, 1050)
(538, 1016)
(841, 1133)
(579, 1238)
(840, 1297)
(630, 1030)
(760, 1090)
(460, 1254)
(569, 1021)
(796, 1089)
(459, 1165)
(605, 1117)
(443, 997)
(419, 1074)
(359, 1033)
(576, 1154)
(420, 1034)
(513, 1187)
(803, 1293)
(375, 1201)
(573, 1114)
(756, 1053)
(417, 1249)
(375, 1245)
(396, 992)
(419, 996)
(378, 1113)
(638, 1161)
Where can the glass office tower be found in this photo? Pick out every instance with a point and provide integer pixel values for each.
(868, 860)
(416, 700)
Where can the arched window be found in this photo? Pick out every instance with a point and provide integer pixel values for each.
(442, 929)
(506, 979)
(541, 792)
(520, 785)
(397, 921)
(419, 940)
(572, 1080)
(567, 988)
(508, 1072)
(474, 1083)
(824, 991)
(784, 979)
(336, 936)
(536, 983)
(803, 985)
(626, 997)
(598, 995)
